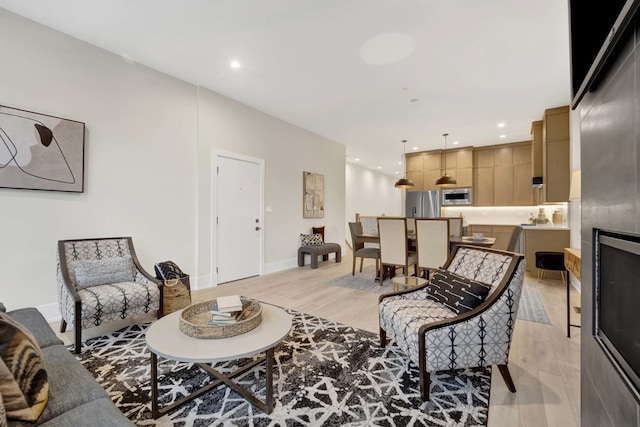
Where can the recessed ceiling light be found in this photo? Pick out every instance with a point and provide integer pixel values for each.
(415, 148)
(397, 172)
(379, 167)
(503, 136)
(357, 159)
(500, 125)
(399, 163)
(234, 64)
(455, 142)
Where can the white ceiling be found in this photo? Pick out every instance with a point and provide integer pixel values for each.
(349, 69)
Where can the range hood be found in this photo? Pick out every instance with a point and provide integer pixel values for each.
(536, 182)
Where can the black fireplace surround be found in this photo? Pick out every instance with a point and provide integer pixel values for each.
(616, 261)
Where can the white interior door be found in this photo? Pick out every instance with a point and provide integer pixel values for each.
(239, 225)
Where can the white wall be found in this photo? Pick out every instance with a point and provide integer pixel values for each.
(145, 173)
(134, 116)
(370, 193)
(288, 151)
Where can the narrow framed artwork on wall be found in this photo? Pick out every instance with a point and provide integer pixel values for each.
(40, 152)
(313, 195)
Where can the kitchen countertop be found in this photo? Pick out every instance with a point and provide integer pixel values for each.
(545, 227)
(525, 226)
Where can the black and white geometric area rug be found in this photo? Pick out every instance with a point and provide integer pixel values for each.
(325, 374)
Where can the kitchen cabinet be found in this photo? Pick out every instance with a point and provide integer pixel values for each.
(502, 233)
(543, 239)
(536, 148)
(522, 189)
(503, 175)
(480, 228)
(503, 185)
(415, 170)
(460, 166)
(425, 168)
(555, 155)
(483, 190)
(432, 169)
(418, 178)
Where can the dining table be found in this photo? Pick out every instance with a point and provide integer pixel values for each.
(368, 237)
(485, 242)
(454, 241)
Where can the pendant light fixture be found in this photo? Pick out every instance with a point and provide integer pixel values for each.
(446, 180)
(404, 182)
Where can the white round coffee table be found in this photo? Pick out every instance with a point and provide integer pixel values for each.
(165, 339)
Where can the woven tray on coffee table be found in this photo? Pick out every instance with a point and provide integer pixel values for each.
(194, 320)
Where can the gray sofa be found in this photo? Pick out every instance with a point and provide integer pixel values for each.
(75, 397)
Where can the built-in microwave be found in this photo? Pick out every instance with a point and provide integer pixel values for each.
(457, 196)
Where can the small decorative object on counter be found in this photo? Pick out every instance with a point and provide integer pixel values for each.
(542, 217)
(557, 217)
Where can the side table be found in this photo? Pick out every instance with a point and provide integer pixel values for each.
(407, 281)
(572, 262)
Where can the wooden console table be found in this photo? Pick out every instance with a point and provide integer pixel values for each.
(572, 262)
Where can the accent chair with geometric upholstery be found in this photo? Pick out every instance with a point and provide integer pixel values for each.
(100, 281)
(436, 337)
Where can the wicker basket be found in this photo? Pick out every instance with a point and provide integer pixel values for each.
(176, 295)
(194, 320)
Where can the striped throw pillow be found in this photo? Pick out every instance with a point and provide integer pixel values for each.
(23, 379)
(3, 414)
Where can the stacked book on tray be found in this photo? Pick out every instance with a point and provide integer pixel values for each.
(229, 310)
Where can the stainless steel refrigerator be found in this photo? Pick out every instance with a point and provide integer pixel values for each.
(423, 204)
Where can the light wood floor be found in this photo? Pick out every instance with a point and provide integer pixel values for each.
(544, 363)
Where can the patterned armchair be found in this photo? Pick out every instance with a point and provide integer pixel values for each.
(436, 338)
(100, 281)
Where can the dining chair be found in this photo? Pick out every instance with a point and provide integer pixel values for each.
(455, 227)
(359, 251)
(411, 225)
(432, 244)
(394, 247)
(411, 231)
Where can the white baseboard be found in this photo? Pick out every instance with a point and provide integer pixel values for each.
(286, 264)
(50, 312)
(199, 283)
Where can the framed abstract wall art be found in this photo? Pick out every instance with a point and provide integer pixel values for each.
(313, 195)
(40, 152)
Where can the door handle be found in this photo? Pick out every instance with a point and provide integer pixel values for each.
(258, 228)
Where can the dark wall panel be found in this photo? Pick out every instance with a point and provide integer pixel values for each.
(610, 119)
